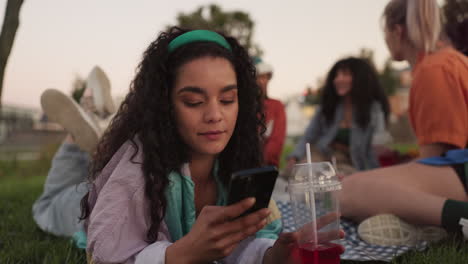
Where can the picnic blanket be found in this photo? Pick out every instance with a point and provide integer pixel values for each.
(356, 248)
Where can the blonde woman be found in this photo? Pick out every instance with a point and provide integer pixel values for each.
(431, 191)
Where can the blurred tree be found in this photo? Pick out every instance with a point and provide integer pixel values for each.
(233, 23)
(456, 23)
(368, 55)
(7, 36)
(78, 88)
(388, 76)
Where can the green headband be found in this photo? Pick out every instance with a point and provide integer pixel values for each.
(198, 36)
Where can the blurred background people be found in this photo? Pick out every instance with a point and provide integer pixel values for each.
(351, 118)
(275, 116)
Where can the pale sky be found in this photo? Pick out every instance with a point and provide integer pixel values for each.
(58, 39)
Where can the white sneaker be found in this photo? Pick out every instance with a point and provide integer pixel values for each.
(389, 230)
(97, 96)
(65, 111)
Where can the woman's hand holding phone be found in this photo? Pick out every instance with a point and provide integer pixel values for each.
(216, 233)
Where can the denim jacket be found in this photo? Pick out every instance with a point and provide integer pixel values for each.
(321, 135)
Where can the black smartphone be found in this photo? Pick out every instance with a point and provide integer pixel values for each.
(258, 183)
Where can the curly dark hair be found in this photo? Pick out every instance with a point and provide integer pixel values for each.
(365, 90)
(147, 112)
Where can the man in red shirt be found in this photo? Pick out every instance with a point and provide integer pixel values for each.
(275, 117)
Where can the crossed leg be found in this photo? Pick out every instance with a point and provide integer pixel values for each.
(415, 192)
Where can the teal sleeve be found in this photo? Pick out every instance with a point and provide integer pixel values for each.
(271, 231)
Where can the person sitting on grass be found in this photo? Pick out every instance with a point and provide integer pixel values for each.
(275, 116)
(350, 120)
(399, 205)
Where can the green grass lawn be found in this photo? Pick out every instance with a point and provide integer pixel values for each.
(22, 242)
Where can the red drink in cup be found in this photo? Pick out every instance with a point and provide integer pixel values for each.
(307, 253)
(313, 189)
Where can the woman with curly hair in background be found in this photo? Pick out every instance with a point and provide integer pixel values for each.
(350, 120)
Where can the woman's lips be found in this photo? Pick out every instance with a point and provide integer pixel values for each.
(212, 135)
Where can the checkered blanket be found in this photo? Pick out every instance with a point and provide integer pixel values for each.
(356, 249)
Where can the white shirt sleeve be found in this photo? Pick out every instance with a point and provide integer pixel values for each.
(154, 253)
(249, 251)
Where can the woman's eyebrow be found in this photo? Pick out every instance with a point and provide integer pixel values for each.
(229, 88)
(192, 89)
(198, 90)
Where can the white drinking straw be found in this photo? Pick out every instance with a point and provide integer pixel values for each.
(312, 198)
(309, 158)
(335, 165)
